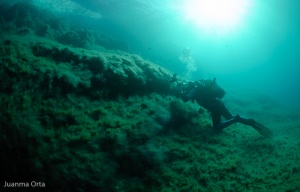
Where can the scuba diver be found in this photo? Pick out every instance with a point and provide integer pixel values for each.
(208, 95)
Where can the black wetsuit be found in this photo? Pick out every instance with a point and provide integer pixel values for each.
(216, 107)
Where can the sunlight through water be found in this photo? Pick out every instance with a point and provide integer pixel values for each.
(219, 16)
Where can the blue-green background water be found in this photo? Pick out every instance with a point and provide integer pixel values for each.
(262, 53)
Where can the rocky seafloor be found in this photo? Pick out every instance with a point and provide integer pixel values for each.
(80, 113)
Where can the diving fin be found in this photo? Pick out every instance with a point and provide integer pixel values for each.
(263, 130)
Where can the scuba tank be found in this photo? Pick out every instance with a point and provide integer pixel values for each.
(207, 88)
(211, 88)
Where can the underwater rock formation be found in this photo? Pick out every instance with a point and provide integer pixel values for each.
(24, 18)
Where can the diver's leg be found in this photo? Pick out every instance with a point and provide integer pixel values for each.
(223, 110)
(216, 118)
(228, 116)
(245, 121)
(225, 124)
(219, 111)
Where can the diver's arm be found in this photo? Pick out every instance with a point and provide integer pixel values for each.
(190, 96)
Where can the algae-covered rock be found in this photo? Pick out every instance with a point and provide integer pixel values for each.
(81, 106)
(25, 18)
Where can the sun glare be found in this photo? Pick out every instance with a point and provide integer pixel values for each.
(218, 15)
